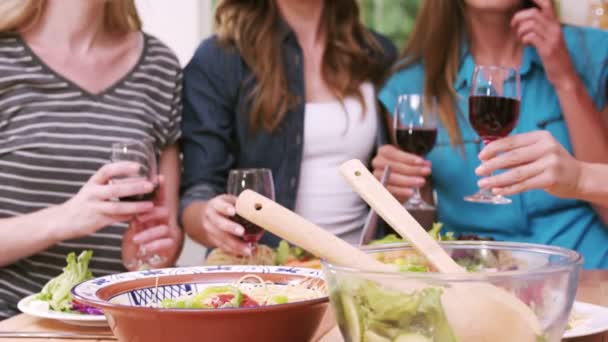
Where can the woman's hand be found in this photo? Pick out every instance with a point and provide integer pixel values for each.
(219, 229)
(95, 205)
(408, 170)
(533, 161)
(153, 233)
(540, 27)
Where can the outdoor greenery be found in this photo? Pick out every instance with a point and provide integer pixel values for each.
(394, 19)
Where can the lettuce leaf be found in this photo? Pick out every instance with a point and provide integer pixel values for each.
(57, 292)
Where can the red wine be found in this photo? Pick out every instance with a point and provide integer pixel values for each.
(139, 198)
(493, 117)
(418, 141)
(253, 232)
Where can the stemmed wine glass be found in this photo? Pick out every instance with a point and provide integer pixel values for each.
(143, 153)
(493, 112)
(415, 128)
(258, 180)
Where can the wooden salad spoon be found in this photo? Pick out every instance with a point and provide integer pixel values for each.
(476, 311)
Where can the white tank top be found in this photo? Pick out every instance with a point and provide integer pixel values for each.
(335, 132)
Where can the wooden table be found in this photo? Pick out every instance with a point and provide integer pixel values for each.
(593, 288)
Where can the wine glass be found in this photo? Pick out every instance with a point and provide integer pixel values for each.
(415, 129)
(143, 153)
(258, 180)
(493, 112)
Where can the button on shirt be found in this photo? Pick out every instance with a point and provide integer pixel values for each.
(534, 216)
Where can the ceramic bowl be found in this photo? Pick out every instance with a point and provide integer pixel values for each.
(125, 299)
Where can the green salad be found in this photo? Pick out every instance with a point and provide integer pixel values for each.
(372, 313)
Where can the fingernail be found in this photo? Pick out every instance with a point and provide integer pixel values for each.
(419, 181)
(239, 231)
(481, 169)
(231, 211)
(426, 169)
(419, 161)
(482, 183)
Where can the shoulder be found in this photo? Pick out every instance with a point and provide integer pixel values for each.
(389, 50)
(588, 47)
(406, 79)
(158, 50)
(214, 54)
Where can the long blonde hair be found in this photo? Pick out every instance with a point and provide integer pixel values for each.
(15, 15)
(436, 41)
(252, 26)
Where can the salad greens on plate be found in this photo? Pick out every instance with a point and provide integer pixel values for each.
(57, 292)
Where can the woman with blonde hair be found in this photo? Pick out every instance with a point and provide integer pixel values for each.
(287, 85)
(76, 76)
(563, 85)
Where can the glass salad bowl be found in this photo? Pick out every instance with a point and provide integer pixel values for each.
(408, 305)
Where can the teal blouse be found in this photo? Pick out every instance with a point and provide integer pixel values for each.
(534, 216)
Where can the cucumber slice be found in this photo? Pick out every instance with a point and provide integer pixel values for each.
(412, 337)
(352, 319)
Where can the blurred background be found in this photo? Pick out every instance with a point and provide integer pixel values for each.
(183, 24)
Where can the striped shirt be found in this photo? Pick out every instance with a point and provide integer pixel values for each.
(54, 135)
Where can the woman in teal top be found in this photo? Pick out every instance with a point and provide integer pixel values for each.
(563, 77)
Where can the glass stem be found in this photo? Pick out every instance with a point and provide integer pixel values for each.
(416, 197)
(487, 192)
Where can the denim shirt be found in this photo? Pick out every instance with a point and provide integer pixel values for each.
(217, 134)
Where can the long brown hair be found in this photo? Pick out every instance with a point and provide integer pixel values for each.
(252, 28)
(436, 41)
(120, 15)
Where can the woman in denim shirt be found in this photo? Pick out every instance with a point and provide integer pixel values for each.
(563, 78)
(286, 85)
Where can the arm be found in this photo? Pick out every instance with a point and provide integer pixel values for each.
(212, 83)
(594, 184)
(586, 127)
(89, 210)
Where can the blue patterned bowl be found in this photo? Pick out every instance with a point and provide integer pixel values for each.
(125, 299)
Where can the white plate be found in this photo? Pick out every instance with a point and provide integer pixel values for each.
(28, 305)
(593, 320)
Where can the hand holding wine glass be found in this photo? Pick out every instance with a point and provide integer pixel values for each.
(493, 112)
(258, 180)
(415, 129)
(143, 153)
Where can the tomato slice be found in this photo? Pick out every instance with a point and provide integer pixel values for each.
(248, 302)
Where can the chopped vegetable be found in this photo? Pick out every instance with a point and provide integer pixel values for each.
(57, 292)
(370, 312)
(211, 297)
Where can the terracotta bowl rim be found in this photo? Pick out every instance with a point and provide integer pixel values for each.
(288, 271)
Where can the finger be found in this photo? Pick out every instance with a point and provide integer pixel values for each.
(525, 15)
(124, 208)
(538, 182)
(399, 192)
(125, 188)
(109, 171)
(224, 205)
(224, 224)
(150, 234)
(535, 39)
(521, 156)
(401, 168)
(526, 27)
(513, 176)
(507, 144)
(232, 245)
(399, 180)
(156, 214)
(161, 191)
(158, 246)
(392, 153)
